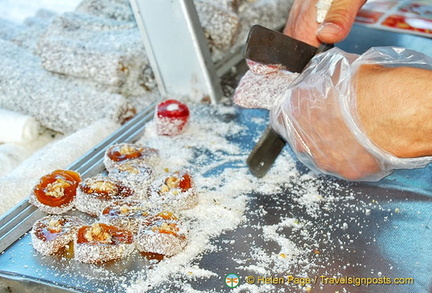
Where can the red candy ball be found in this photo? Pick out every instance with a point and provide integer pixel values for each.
(171, 117)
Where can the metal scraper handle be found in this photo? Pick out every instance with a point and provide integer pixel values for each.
(265, 152)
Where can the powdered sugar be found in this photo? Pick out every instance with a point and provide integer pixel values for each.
(227, 193)
(261, 85)
(275, 225)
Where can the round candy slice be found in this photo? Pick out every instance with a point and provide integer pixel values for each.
(95, 193)
(174, 191)
(161, 234)
(126, 214)
(128, 152)
(52, 233)
(55, 192)
(136, 176)
(102, 242)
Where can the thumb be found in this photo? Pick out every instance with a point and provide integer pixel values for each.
(339, 20)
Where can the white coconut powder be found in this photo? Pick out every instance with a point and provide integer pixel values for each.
(224, 205)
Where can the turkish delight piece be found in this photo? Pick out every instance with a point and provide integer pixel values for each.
(135, 175)
(55, 192)
(129, 152)
(127, 214)
(161, 234)
(174, 191)
(101, 242)
(52, 233)
(95, 193)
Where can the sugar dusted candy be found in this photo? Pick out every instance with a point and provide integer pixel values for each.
(55, 192)
(134, 175)
(52, 233)
(102, 242)
(173, 191)
(127, 214)
(161, 234)
(129, 152)
(95, 193)
(171, 117)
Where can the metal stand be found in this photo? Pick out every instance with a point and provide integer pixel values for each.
(177, 49)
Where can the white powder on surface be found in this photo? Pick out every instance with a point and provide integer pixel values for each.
(19, 10)
(260, 227)
(227, 192)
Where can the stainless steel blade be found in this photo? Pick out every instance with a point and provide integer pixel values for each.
(267, 46)
(271, 47)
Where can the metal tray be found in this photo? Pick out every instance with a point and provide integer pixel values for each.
(16, 223)
(390, 241)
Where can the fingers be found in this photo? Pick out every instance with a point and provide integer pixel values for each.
(339, 20)
(301, 23)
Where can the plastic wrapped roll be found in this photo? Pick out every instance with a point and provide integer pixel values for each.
(17, 128)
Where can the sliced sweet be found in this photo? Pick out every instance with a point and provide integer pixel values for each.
(102, 242)
(128, 152)
(126, 214)
(161, 234)
(95, 193)
(52, 233)
(174, 191)
(171, 117)
(56, 191)
(260, 68)
(136, 176)
(260, 86)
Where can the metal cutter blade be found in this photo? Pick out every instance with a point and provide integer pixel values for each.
(270, 47)
(267, 46)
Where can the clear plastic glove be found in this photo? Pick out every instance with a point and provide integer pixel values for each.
(320, 115)
(317, 115)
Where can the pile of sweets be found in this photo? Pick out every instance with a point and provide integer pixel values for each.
(94, 55)
(133, 207)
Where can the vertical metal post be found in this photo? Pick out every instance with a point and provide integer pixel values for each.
(177, 49)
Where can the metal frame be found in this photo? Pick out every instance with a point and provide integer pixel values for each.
(177, 49)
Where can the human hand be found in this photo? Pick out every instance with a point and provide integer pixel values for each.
(310, 117)
(320, 138)
(394, 105)
(302, 21)
(354, 117)
(348, 116)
